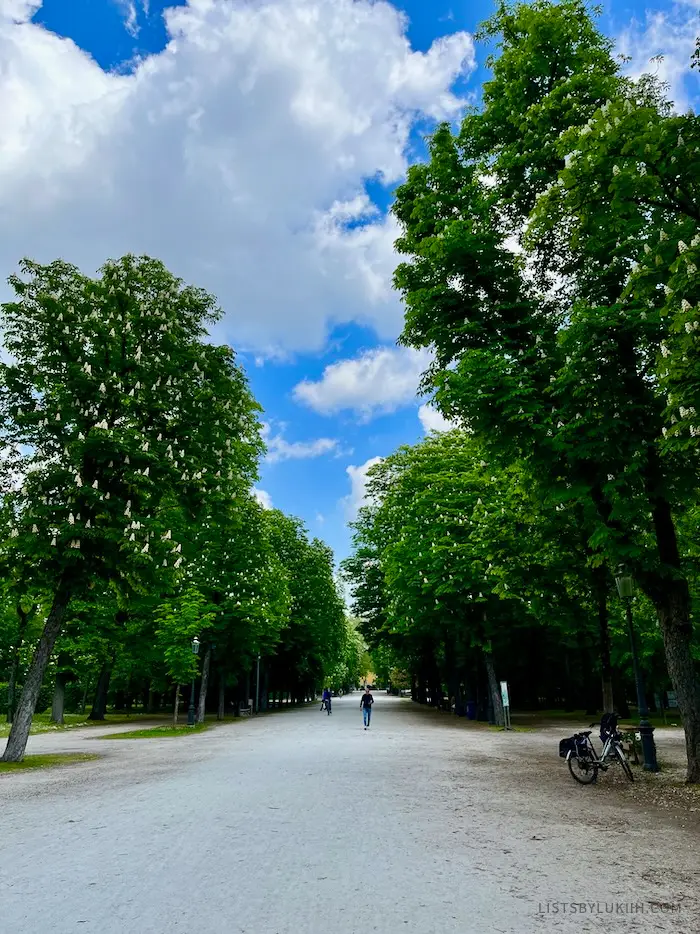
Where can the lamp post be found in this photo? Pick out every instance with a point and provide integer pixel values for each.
(625, 588)
(190, 712)
(257, 687)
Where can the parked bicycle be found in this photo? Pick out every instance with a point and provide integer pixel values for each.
(582, 759)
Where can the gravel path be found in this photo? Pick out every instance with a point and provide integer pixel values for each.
(300, 823)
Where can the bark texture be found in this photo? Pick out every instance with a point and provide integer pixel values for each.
(600, 578)
(206, 665)
(99, 704)
(59, 697)
(494, 690)
(22, 720)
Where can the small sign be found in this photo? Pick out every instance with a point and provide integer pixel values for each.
(504, 694)
(671, 699)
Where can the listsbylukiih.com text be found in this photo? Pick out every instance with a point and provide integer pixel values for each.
(606, 908)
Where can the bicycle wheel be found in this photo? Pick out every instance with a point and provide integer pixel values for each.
(583, 770)
(622, 759)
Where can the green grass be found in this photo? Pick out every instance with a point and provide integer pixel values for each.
(157, 732)
(41, 722)
(47, 761)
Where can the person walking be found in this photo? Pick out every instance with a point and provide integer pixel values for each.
(366, 702)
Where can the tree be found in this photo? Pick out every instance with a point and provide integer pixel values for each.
(313, 638)
(550, 353)
(179, 620)
(117, 414)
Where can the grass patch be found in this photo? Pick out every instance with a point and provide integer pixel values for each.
(47, 761)
(41, 722)
(157, 732)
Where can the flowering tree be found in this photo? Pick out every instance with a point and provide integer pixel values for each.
(118, 419)
(551, 353)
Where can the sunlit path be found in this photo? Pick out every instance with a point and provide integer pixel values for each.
(300, 821)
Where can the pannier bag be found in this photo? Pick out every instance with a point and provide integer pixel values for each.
(577, 745)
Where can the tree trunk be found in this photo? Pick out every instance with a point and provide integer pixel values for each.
(264, 688)
(494, 689)
(176, 704)
(22, 720)
(671, 598)
(99, 704)
(206, 665)
(150, 706)
(85, 694)
(674, 620)
(59, 697)
(221, 712)
(600, 580)
(14, 664)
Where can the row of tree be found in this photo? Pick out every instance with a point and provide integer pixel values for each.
(128, 525)
(464, 576)
(552, 247)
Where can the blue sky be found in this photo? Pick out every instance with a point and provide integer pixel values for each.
(254, 146)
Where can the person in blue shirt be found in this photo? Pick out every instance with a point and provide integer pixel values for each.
(326, 700)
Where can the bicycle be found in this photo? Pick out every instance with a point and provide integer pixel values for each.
(582, 759)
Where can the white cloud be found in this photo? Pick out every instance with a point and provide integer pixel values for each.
(358, 488)
(379, 380)
(279, 449)
(128, 8)
(18, 11)
(236, 155)
(263, 497)
(432, 420)
(671, 34)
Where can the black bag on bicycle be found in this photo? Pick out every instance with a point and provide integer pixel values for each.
(566, 746)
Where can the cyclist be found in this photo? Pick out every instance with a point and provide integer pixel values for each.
(326, 700)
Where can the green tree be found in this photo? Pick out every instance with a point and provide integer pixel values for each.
(116, 412)
(548, 353)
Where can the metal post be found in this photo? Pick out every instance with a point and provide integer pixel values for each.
(190, 712)
(646, 730)
(257, 688)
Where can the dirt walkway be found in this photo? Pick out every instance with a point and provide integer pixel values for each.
(299, 821)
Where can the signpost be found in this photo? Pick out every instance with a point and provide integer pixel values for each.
(506, 705)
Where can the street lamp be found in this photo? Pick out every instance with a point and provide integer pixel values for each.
(190, 712)
(257, 687)
(625, 588)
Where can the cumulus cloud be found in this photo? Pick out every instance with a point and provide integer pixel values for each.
(357, 497)
(432, 420)
(661, 45)
(263, 497)
(279, 449)
(18, 11)
(238, 155)
(377, 381)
